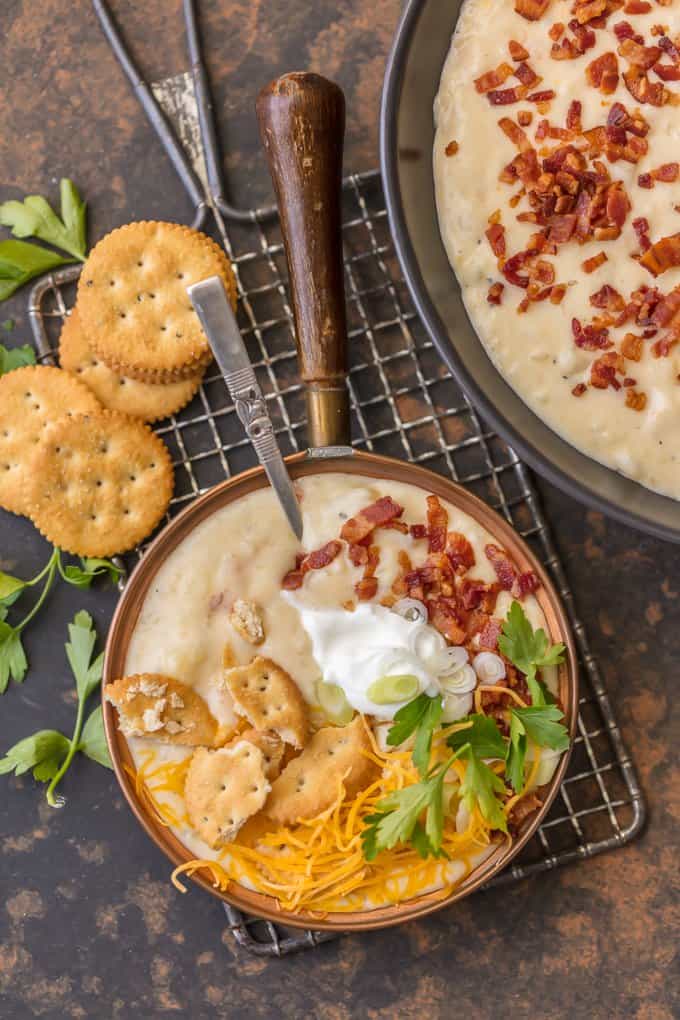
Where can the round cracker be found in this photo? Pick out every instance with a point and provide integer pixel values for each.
(148, 401)
(98, 483)
(31, 398)
(133, 301)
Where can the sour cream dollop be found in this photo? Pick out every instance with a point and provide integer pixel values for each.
(354, 649)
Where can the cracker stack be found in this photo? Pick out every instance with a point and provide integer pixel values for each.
(75, 454)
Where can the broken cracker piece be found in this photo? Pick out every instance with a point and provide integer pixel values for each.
(309, 784)
(269, 743)
(246, 619)
(269, 698)
(223, 789)
(153, 705)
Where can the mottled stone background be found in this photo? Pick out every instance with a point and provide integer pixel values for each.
(89, 926)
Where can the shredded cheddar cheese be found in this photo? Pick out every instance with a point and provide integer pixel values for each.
(318, 864)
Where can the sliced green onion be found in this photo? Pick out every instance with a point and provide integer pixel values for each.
(391, 689)
(334, 703)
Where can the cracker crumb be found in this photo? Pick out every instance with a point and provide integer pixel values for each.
(246, 619)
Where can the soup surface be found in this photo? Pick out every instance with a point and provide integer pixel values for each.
(552, 264)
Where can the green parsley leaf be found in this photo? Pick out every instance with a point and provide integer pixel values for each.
(480, 786)
(517, 749)
(93, 740)
(43, 752)
(423, 743)
(421, 716)
(89, 569)
(15, 357)
(79, 653)
(483, 736)
(398, 814)
(528, 649)
(21, 261)
(35, 217)
(73, 213)
(542, 725)
(13, 661)
(10, 588)
(420, 841)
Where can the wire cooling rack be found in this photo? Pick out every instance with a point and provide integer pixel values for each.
(405, 405)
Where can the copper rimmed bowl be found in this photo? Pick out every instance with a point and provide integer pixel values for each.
(127, 613)
(406, 144)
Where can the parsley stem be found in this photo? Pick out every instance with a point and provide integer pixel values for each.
(45, 569)
(50, 570)
(57, 802)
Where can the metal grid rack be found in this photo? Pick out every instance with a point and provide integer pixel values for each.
(407, 406)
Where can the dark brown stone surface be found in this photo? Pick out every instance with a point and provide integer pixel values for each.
(89, 926)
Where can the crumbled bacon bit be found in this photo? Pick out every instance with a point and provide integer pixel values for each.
(515, 134)
(532, 10)
(556, 31)
(505, 97)
(371, 517)
(446, 618)
(541, 97)
(624, 30)
(667, 72)
(459, 551)
(492, 79)
(526, 74)
(517, 51)
(579, 389)
(643, 57)
(640, 87)
(631, 347)
(496, 237)
(590, 338)
(557, 293)
(663, 255)
(574, 117)
(641, 228)
(487, 637)
(418, 531)
(667, 310)
(637, 7)
(609, 298)
(635, 400)
(451, 149)
(594, 262)
(667, 172)
(669, 48)
(603, 371)
(645, 181)
(437, 522)
(524, 118)
(603, 73)
(509, 578)
(367, 587)
(495, 293)
(663, 347)
(315, 560)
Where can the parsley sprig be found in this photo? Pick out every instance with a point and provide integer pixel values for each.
(13, 660)
(48, 753)
(528, 650)
(421, 716)
(21, 261)
(397, 818)
(15, 357)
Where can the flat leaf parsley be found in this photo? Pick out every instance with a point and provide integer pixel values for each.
(48, 753)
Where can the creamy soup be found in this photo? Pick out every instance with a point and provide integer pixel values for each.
(243, 551)
(627, 415)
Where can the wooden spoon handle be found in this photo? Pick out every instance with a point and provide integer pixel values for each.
(302, 124)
